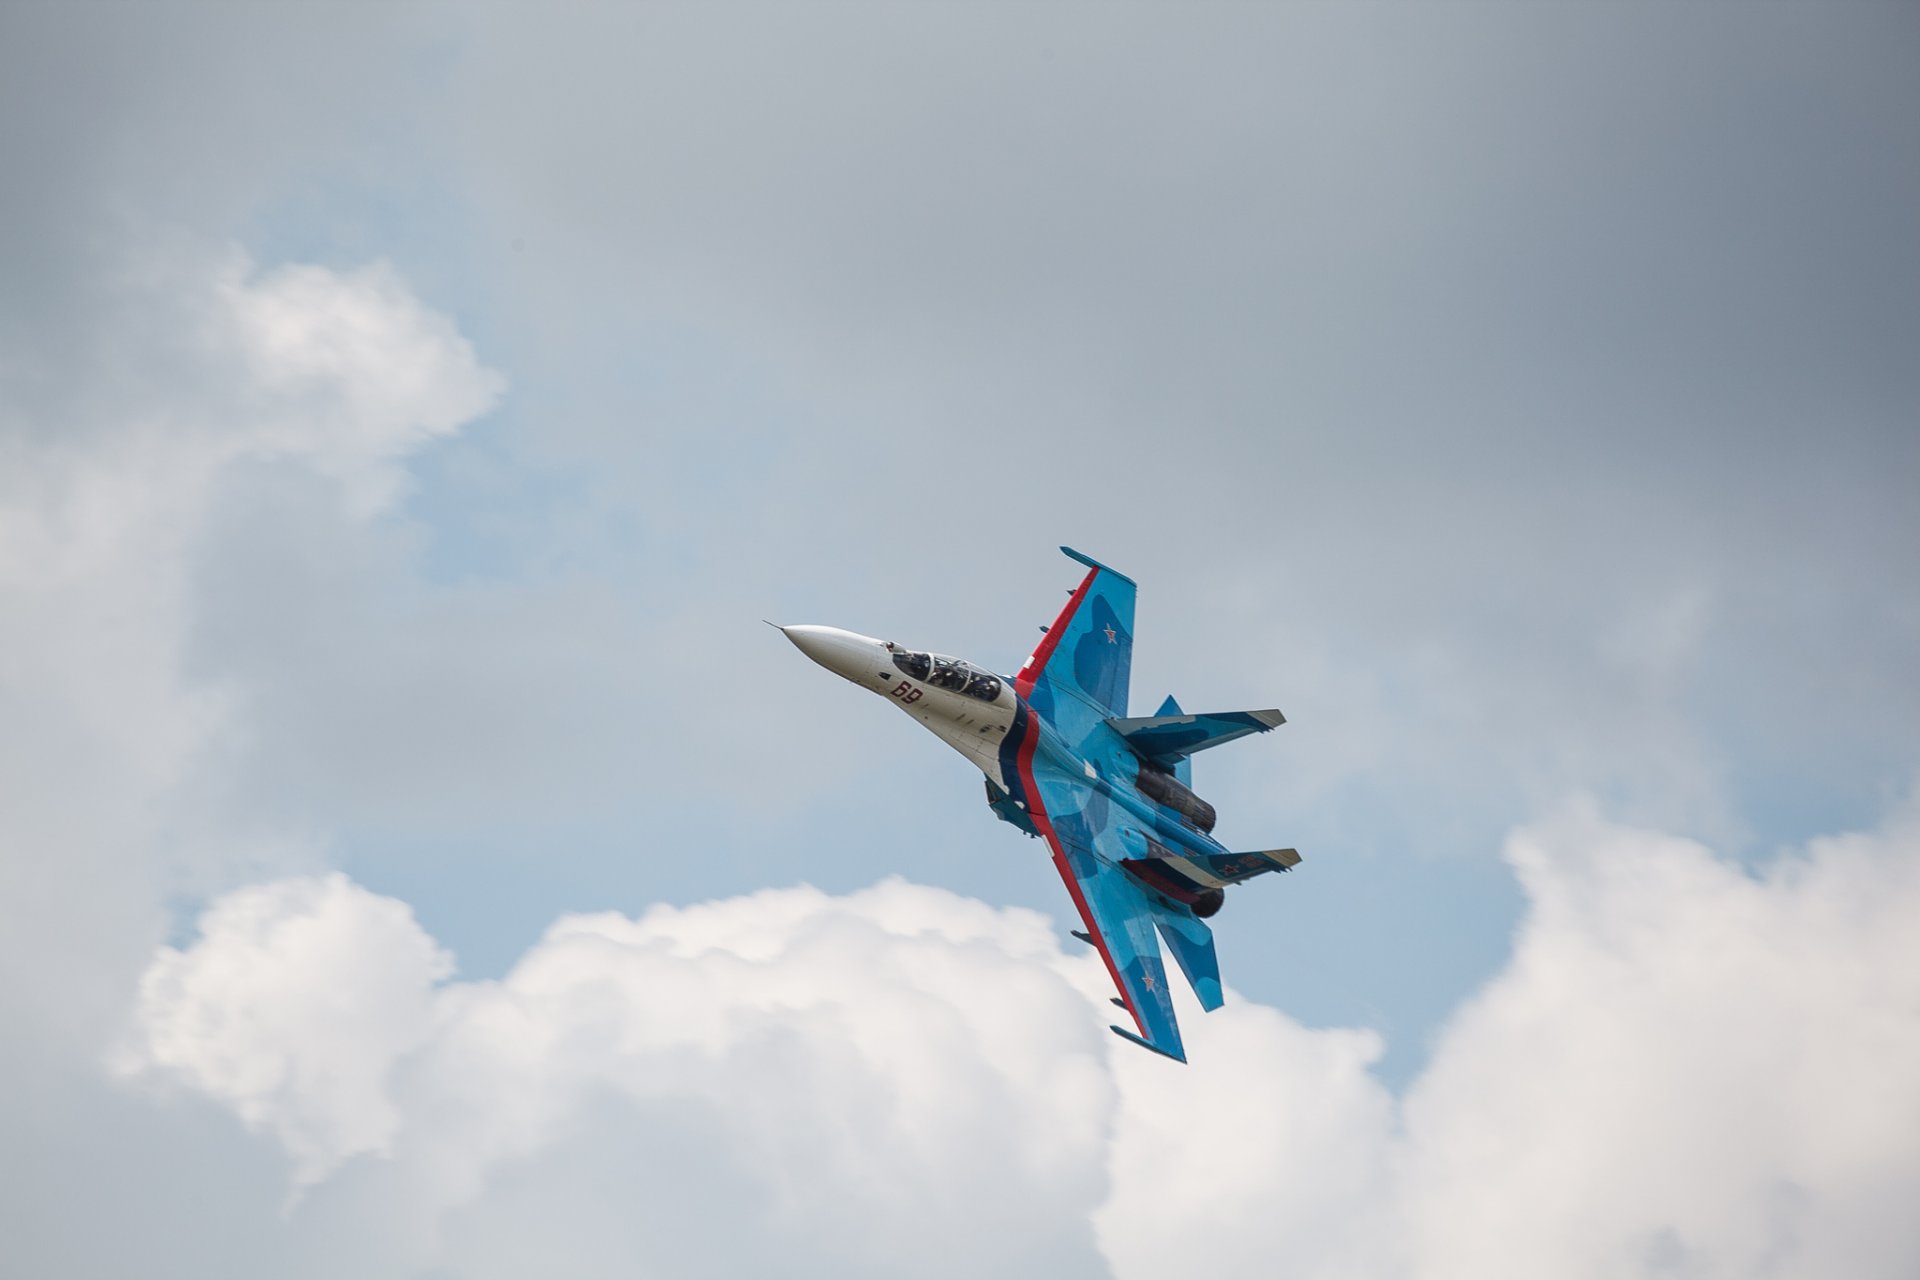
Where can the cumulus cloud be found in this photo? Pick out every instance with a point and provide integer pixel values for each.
(1685, 1069)
(292, 1009)
(200, 367)
(900, 1073)
(197, 373)
(347, 371)
(1551, 546)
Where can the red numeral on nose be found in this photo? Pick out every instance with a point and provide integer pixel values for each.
(906, 692)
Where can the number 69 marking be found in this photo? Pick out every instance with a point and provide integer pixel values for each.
(906, 692)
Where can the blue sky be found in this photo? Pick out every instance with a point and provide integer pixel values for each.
(410, 415)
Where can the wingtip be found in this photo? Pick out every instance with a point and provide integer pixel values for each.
(1177, 1053)
(1091, 563)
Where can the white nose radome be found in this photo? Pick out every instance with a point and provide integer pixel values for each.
(845, 653)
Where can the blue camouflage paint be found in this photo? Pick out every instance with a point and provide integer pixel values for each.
(1075, 772)
(1103, 654)
(1173, 736)
(1068, 769)
(1183, 767)
(1077, 696)
(1191, 942)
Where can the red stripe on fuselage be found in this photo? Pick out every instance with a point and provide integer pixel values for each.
(1037, 810)
(1023, 679)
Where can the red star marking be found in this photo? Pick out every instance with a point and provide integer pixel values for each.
(1148, 979)
(1110, 636)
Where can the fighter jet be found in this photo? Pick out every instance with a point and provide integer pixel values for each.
(1110, 794)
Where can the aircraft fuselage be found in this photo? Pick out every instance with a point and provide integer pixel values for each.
(980, 715)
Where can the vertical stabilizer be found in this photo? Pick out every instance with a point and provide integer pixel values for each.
(1183, 767)
(1191, 942)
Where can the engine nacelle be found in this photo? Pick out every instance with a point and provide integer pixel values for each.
(1208, 903)
(1158, 785)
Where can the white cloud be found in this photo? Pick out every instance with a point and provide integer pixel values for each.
(211, 363)
(291, 1009)
(199, 367)
(1273, 1147)
(1521, 556)
(1685, 1069)
(347, 370)
(194, 375)
(892, 1074)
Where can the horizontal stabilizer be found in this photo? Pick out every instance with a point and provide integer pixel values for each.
(1189, 877)
(1167, 740)
(1231, 868)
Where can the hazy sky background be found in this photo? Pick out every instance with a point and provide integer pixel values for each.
(416, 859)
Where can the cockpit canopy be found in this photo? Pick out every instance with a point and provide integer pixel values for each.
(949, 673)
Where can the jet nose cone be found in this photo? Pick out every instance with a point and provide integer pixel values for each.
(845, 653)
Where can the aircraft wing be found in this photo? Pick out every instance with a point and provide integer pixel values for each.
(1113, 906)
(1077, 679)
